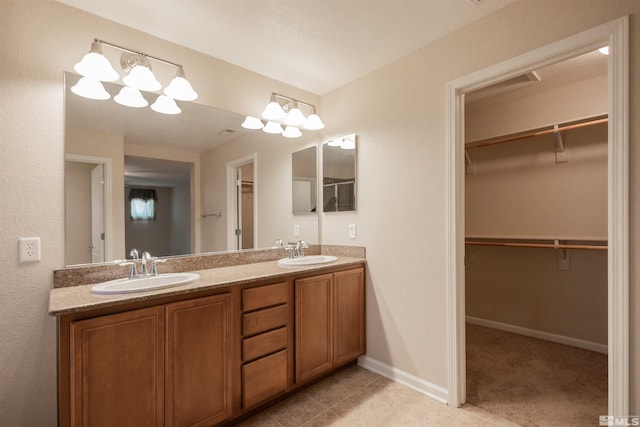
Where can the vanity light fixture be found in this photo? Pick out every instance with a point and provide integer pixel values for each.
(283, 110)
(96, 67)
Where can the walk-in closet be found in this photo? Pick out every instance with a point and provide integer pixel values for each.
(536, 244)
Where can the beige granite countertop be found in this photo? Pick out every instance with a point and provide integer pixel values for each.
(65, 300)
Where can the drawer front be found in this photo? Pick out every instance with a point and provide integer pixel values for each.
(264, 320)
(264, 344)
(264, 378)
(264, 296)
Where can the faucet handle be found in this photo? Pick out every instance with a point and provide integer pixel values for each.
(154, 269)
(134, 253)
(134, 271)
(278, 243)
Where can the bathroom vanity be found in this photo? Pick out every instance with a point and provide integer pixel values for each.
(208, 352)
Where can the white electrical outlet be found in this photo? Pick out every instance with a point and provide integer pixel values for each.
(29, 249)
(296, 230)
(352, 231)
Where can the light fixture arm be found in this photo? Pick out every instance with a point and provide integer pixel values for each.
(155, 58)
(292, 100)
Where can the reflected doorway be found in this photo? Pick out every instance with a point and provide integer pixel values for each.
(87, 209)
(241, 197)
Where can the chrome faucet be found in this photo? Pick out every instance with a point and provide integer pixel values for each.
(300, 247)
(144, 260)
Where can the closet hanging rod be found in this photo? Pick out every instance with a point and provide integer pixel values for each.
(488, 142)
(537, 245)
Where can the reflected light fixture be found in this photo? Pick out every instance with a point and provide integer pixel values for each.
(130, 97)
(604, 50)
(165, 105)
(273, 128)
(291, 132)
(253, 123)
(89, 87)
(283, 110)
(95, 67)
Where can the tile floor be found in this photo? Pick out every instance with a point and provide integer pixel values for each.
(358, 397)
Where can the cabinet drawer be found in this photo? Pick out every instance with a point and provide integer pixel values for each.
(263, 344)
(264, 320)
(264, 296)
(264, 378)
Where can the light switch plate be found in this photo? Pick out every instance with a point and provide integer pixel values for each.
(296, 230)
(352, 231)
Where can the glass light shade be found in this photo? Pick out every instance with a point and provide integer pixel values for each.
(165, 105)
(141, 78)
(294, 117)
(604, 50)
(292, 132)
(252, 123)
(348, 144)
(272, 127)
(91, 88)
(179, 88)
(335, 143)
(313, 122)
(130, 97)
(273, 111)
(95, 65)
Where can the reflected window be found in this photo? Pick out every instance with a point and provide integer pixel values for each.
(143, 204)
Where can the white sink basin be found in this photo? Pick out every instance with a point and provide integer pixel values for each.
(306, 260)
(141, 284)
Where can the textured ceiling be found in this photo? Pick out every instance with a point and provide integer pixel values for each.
(316, 45)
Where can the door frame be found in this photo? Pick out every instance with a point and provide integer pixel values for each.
(108, 196)
(232, 211)
(616, 34)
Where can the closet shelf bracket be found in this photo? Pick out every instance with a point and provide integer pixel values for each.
(561, 155)
(471, 167)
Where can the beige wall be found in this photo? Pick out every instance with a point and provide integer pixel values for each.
(399, 113)
(40, 40)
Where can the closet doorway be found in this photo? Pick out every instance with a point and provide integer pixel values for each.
(615, 35)
(536, 244)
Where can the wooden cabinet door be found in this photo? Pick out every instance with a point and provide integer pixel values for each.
(199, 352)
(349, 315)
(314, 327)
(117, 369)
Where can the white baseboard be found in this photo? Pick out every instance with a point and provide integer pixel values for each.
(561, 339)
(394, 374)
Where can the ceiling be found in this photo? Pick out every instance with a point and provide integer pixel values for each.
(316, 45)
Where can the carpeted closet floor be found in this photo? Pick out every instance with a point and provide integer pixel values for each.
(534, 382)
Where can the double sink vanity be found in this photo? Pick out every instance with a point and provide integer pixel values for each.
(243, 331)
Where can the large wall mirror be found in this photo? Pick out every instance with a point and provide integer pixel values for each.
(304, 181)
(114, 153)
(339, 174)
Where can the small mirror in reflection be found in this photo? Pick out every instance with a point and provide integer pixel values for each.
(304, 174)
(339, 174)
